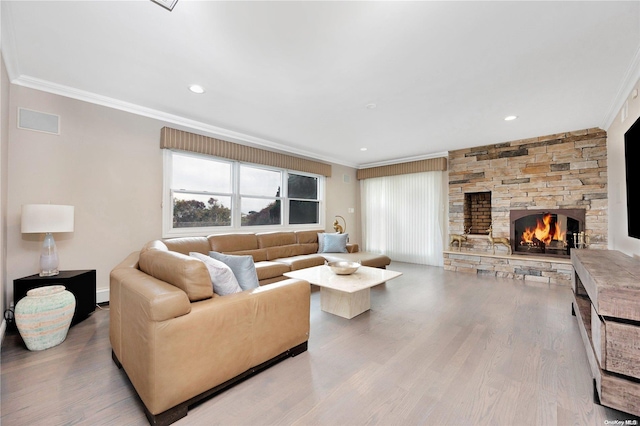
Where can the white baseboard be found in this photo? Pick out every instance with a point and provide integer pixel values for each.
(102, 295)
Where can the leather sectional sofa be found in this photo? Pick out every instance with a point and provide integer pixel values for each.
(275, 253)
(179, 342)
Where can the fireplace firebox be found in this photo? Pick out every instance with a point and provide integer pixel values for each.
(545, 232)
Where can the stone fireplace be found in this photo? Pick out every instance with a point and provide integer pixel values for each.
(545, 232)
(563, 174)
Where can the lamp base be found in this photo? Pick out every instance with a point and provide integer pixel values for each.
(49, 273)
(49, 257)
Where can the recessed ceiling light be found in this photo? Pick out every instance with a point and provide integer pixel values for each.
(195, 88)
(371, 106)
(510, 117)
(363, 149)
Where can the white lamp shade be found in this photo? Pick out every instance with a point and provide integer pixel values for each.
(43, 218)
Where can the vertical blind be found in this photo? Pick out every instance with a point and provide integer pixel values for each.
(402, 217)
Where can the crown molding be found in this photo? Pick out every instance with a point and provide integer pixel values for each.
(214, 131)
(404, 160)
(630, 79)
(209, 130)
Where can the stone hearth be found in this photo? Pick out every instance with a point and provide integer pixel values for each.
(529, 268)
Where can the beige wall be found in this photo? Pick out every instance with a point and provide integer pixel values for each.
(4, 143)
(108, 164)
(618, 235)
(343, 192)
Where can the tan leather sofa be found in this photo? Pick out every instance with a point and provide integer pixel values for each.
(178, 342)
(275, 253)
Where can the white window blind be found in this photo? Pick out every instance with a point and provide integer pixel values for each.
(402, 217)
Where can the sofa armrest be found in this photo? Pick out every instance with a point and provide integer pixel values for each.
(178, 359)
(282, 317)
(151, 297)
(134, 294)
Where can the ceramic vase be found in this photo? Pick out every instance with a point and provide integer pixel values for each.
(43, 317)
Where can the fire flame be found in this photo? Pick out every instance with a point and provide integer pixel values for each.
(543, 232)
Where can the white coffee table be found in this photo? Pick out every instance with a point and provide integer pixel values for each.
(344, 295)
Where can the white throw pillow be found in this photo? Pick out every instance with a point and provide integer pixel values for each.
(222, 278)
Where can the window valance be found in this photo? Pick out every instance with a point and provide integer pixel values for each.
(186, 141)
(428, 165)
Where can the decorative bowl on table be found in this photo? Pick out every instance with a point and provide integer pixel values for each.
(343, 267)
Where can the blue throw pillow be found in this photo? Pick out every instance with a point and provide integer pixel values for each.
(335, 243)
(243, 268)
(321, 241)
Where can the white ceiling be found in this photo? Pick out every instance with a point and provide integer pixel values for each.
(297, 76)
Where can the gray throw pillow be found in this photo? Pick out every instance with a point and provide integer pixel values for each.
(335, 243)
(222, 278)
(243, 268)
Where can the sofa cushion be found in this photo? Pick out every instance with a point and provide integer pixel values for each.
(273, 239)
(309, 248)
(308, 237)
(222, 278)
(243, 268)
(186, 245)
(237, 244)
(268, 270)
(284, 251)
(335, 243)
(258, 255)
(187, 273)
(366, 259)
(227, 243)
(272, 280)
(302, 262)
(154, 245)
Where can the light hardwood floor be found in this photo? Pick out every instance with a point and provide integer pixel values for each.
(437, 348)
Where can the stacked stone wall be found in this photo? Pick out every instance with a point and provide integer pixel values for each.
(561, 171)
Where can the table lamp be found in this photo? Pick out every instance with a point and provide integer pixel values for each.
(47, 219)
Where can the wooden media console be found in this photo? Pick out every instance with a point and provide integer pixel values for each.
(606, 290)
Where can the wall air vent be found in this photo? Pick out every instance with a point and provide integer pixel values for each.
(38, 121)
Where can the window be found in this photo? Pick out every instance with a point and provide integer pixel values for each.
(260, 196)
(205, 194)
(304, 206)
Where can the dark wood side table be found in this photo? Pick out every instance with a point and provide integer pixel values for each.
(82, 284)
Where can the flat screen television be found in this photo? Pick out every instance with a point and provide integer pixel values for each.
(632, 164)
